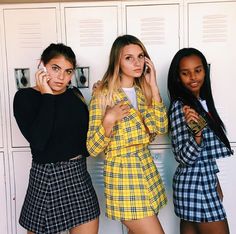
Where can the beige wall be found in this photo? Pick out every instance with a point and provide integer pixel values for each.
(41, 1)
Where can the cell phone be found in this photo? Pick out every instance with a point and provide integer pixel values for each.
(145, 69)
(41, 66)
(196, 127)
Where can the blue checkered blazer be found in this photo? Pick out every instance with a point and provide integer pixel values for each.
(194, 183)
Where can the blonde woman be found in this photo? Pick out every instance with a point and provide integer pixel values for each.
(126, 112)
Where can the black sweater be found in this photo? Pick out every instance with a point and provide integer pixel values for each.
(55, 125)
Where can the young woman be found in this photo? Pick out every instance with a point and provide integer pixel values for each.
(54, 120)
(126, 110)
(197, 193)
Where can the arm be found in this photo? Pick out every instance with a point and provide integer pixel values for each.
(185, 147)
(35, 122)
(155, 118)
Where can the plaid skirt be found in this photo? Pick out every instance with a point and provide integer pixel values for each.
(59, 197)
(133, 185)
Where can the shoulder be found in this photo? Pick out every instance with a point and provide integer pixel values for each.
(26, 94)
(176, 105)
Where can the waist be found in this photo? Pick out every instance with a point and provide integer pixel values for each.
(78, 157)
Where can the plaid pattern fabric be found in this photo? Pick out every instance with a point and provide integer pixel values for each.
(194, 184)
(131, 130)
(133, 186)
(59, 196)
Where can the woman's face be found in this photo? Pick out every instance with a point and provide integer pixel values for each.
(60, 71)
(131, 62)
(192, 74)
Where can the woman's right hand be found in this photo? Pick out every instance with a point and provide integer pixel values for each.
(190, 114)
(42, 79)
(114, 114)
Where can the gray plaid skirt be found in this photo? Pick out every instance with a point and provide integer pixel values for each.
(59, 197)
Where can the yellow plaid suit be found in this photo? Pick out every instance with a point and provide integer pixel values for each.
(133, 186)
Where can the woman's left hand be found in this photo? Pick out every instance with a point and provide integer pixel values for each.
(150, 73)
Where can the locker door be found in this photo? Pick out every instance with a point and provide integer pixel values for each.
(227, 180)
(3, 200)
(212, 30)
(1, 95)
(157, 26)
(27, 32)
(21, 163)
(166, 164)
(90, 31)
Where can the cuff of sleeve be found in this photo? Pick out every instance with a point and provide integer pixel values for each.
(101, 133)
(157, 104)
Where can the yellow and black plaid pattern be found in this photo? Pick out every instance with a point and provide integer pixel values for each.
(133, 186)
(131, 130)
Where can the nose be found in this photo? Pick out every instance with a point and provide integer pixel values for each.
(192, 75)
(137, 61)
(60, 75)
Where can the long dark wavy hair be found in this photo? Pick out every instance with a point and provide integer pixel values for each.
(177, 91)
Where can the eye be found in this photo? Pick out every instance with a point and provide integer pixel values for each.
(55, 68)
(184, 73)
(141, 56)
(69, 72)
(198, 70)
(129, 58)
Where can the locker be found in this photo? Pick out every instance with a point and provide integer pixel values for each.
(27, 32)
(3, 195)
(157, 26)
(1, 96)
(211, 29)
(90, 31)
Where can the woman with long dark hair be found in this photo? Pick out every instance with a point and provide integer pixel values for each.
(198, 139)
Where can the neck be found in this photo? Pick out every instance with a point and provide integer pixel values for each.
(127, 83)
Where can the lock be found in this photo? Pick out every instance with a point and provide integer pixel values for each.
(82, 77)
(22, 77)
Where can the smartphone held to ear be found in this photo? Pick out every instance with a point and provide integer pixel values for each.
(145, 69)
(42, 67)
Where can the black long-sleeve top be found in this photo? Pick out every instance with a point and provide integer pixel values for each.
(55, 125)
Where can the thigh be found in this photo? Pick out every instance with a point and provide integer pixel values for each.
(148, 225)
(86, 228)
(187, 227)
(219, 227)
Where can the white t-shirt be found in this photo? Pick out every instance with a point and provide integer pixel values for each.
(131, 94)
(204, 105)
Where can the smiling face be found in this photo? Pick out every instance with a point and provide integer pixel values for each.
(131, 64)
(60, 71)
(192, 74)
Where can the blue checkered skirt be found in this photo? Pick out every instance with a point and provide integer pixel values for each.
(59, 196)
(195, 193)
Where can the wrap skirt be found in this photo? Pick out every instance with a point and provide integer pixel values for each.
(133, 185)
(59, 197)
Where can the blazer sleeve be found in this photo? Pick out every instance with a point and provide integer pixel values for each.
(155, 118)
(96, 139)
(185, 148)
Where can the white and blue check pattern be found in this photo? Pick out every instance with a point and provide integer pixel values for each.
(195, 180)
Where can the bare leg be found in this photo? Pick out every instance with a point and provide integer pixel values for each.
(29, 232)
(187, 227)
(148, 225)
(86, 228)
(220, 227)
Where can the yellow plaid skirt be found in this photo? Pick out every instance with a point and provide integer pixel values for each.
(133, 186)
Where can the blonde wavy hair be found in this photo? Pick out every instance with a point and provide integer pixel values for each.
(110, 82)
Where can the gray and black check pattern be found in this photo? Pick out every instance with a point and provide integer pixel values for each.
(194, 184)
(59, 196)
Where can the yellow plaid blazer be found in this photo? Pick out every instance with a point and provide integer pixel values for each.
(131, 130)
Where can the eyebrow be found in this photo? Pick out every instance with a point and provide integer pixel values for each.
(186, 69)
(54, 64)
